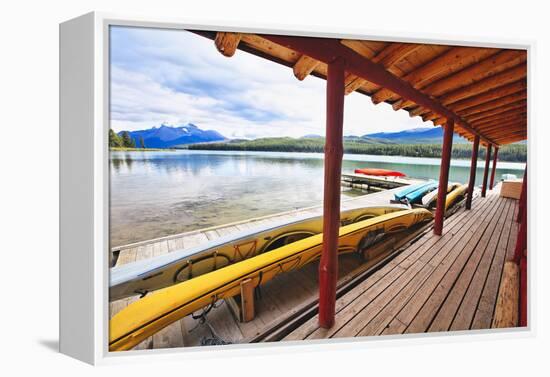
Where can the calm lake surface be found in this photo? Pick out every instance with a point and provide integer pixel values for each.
(154, 194)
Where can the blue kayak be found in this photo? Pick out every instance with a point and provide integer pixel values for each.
(416, 196)
(409, 189)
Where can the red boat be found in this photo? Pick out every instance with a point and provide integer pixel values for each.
(380, 172)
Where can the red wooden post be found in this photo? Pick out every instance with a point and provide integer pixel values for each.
(523, 197)
(328, 266)
(486, 171)
(521, 241)
(444, 176)
(494, 169)
(473, 168)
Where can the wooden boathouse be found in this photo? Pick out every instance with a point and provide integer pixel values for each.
(466, 272)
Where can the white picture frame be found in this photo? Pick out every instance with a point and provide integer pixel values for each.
(84, 189)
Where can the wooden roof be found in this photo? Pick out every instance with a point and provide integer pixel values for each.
(484, 90)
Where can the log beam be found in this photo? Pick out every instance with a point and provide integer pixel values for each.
(227, 43)
(387, 58)
(502, 109)
(450, 61)
(515, 87)
(304, 66)
(514, 74)
(492, 105)
(486, 68)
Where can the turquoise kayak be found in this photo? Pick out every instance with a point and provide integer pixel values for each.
(409, 189)
(416, 196)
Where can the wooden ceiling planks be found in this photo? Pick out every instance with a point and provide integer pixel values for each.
(483, 87)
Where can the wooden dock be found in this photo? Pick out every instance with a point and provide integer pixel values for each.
(373, 183)
(440, 283)
(427, 283)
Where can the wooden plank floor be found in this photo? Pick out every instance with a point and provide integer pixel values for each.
(442, 283)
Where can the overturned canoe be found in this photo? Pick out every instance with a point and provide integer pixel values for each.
(401, 195)
(456, 193)
(416, 196)
(430, 198)
(152, 313)
(380, 172)
(162, 271)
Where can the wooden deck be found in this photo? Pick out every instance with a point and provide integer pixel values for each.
(442, 283)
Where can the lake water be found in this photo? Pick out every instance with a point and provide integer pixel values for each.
(154, 194)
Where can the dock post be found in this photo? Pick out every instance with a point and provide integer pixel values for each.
(494, 169)
(444, 176)
(486, 171)
(523, 196)
(328, 266)
(473, 169)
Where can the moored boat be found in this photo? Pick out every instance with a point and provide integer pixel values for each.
(180, 265)
(401, 195)
(380, 172)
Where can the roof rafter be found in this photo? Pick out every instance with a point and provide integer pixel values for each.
(450, 61)
(327, 50)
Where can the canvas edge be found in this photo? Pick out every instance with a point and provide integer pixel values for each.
(100, 354)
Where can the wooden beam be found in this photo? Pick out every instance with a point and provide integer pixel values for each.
(227, 43)
(327, 50)
(304, 66)
(508, 115)
(515, 87)
(514, 74)
(451, 61)
(390, 55)
(486, 68)
(512, 98)
(502, 109)
(499, 120)
(520, 124)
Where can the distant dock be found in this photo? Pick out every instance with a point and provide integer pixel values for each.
(375, 183)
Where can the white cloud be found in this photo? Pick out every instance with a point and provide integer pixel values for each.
(167, 76)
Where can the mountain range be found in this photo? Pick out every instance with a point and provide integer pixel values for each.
(170, 136)
(422, 135)
(167, 136)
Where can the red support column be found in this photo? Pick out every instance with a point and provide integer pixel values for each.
(328, 266)
(523, 197)
(486, 171)
(473, 168)
(494, 169)
(444, 176)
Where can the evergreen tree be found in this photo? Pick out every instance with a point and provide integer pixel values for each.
(127, 140)
(141, 142)
(114, 139)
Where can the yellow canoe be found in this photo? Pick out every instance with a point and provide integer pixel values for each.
(456, 193)
(152, 313)
(180, 265)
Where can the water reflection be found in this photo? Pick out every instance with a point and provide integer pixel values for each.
(155, 194)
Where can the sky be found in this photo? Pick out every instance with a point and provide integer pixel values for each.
(174, 77)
